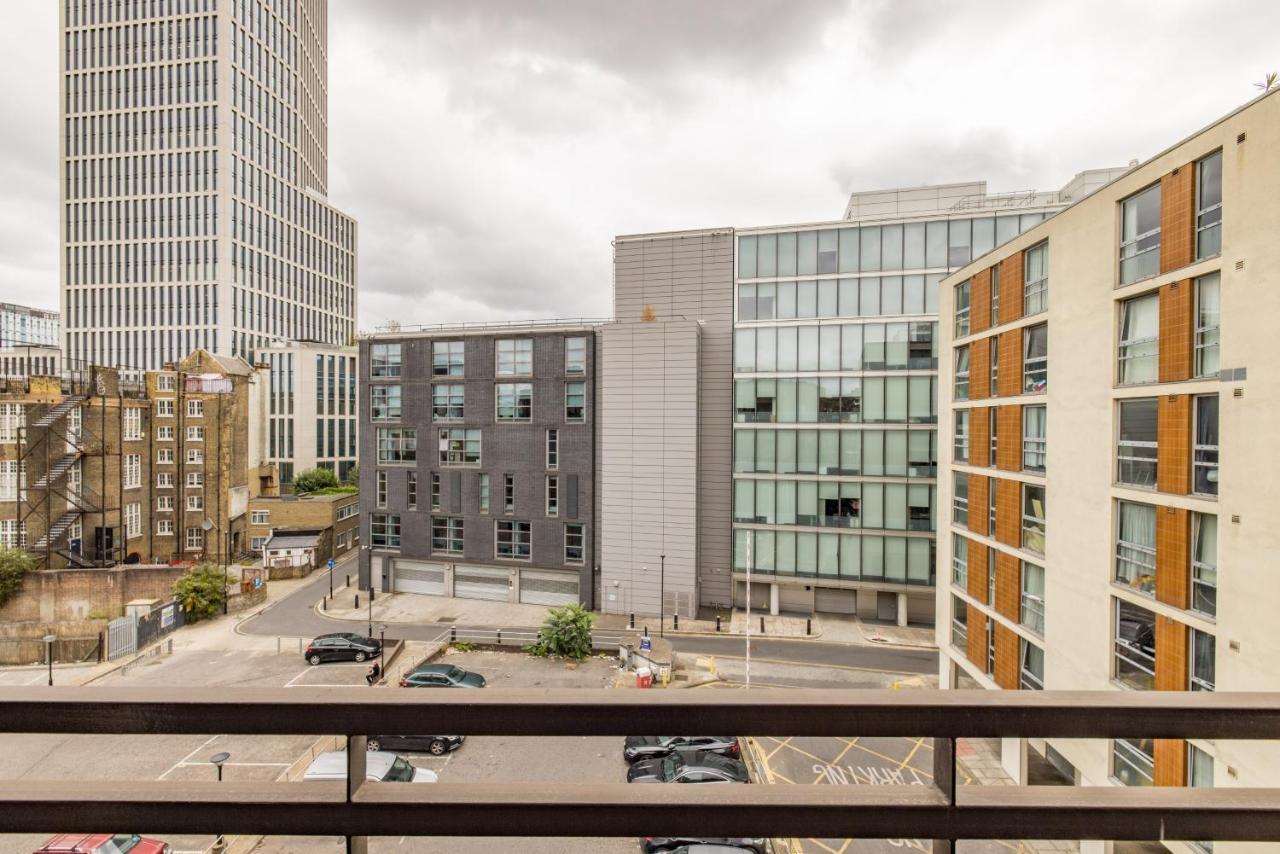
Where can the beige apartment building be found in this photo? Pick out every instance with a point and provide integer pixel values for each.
(1108, 384)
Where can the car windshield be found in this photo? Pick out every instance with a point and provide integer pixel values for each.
(400, 772)
(455, 674)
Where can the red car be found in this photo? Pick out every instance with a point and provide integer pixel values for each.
(103, 843)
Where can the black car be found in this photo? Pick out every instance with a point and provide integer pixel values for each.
(341, 646)
(664, 844)
(436, 745)
(654, 746)
(688, 768)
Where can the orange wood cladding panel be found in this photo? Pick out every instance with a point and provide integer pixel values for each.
(980, 301)
(1176, 332)
(1006, 674)
(978, 570)
(977, 643)
(1177, 217)
(1010, 289)
(1171, 655)
(1008, 585)
(980, 369)
(1170, 762)
(979, 437)
(1008, 512)
(1173, 444)
(1009, 433)
(1173, 556)
(978, 498)
(1010, 379)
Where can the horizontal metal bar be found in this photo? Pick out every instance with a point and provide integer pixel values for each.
(620, 809)
(773, 712)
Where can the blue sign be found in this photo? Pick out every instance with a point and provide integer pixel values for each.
(646, 643)
(332, 563)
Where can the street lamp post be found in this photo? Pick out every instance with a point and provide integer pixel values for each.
(48, 642)
(662, 584)
(370, 608)
(207, 525)
(382, 645)
(219, 844)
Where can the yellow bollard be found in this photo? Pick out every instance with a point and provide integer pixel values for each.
(665, 674)
(713, 665)
(895, 685)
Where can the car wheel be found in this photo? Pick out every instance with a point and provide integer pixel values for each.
(438, 748)
(314, 659)
(360, 656)
(373, 745)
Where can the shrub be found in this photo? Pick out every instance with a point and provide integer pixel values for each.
(566, 632)
(201, 592)
(14, 564)
(313, 480)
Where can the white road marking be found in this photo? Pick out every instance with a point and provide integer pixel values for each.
(185, 759)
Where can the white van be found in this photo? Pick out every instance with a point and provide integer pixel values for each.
(381, 766)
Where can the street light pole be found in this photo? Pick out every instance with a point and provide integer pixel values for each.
(662, 585)
(48, 641)
(226, 571)
(371, 608)
(750, 541)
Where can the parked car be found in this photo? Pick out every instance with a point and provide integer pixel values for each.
(341, 646)
(663, 844)
(436, 745)
(381, 766)
(441, 676)
(103, 843)
(653, 746)
(708, 848)
(688, 768)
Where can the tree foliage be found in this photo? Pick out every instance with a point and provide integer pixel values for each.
(14, 564)
(313, 480)
(353, 476)
(566, 632)
(201, 592)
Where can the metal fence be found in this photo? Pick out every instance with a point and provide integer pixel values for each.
(122, 637)
(169, 617)
(517, 636)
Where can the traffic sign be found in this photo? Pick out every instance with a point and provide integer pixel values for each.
(332, 563)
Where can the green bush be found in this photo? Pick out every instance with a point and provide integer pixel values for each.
(565, 632)
(313, 480)
(353, 476)
(14, 564)
(201, 592)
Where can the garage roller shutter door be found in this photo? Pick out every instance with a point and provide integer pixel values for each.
(476, 582)
(548, 588)
(415, 577)
(832, 600)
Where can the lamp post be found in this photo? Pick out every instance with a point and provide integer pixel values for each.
(218, 759)
(207, 525)
(662, 584)
(371, 608)
(382, 645)
(48, 642)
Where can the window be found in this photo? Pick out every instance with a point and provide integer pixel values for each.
(1033, 518)
(1135, 646)
(132, 424)
(384, 360)
(164, 456)
(575, 401)
(553, 495)
(575, 543)
(514, 401)
(960, 500)
(397, 445)
(257, 543)
(459, 447)
(1035, 359)
(991, 509)
(512, 540)
(447, 534)
(1204, 563)
(166, 382)
(195, 539)
(1209, 206)
(195, 502)
(1140, 235)
(448, 402)
(484, 493)
(195, 434)
(448, 358)
(995, 297)
(165, 434)
(575, 355)
(132, 475)
(380, 497)
(1136, 547)
(1136, 448)
(13, 534)
(960, 442)
(1208, 318)
(1203, 665)
(1205, 475)
(1133, 761)
(132, 521)
(1035, 280)
(195, 408)
(1031, 673)
(384, 530)
(384, 402)
(1140, 340)
(995, 365)
(1032, 613)
(960, 561)
(515, 357)
(959, 623)
(164, 480)
(962, 309)
(962, 373)
(1034, 423)
(164, 503)
(411, 490)
(260, 517)
(164, 527)
(195, 456)
(195, 480)
(164, 408)
(435, 490)
(508, 493)
(553, 449)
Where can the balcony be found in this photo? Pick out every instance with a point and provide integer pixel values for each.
(944, 812)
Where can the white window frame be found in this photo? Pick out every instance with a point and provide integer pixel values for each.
(518, 530)
(553, 495)
(1135, 246)
(459, 444)
(553, 449)
(454, 535)
(581, 535)
(581, 417)
(164, 480)
(963, 305)
(512, 402)
(166, 382)
(195, 407)
(195, 501)
(1136, 459)
(1204, 575)
(164, 407)
(1034, 447)
(164, 456)
(132, 521)
(1205, 457)
(1135, 365)
(164, 527)
(448, 358)
(384, 360)
(960, 437)
(1035, 369)
(165, 433)
(1208, 217)
(164, 503)
(1208, 327)
(259, 517)
(448, 402)
(131, 476)
(960, 561)
(195, 480)
(194, 540)
(962, 373)
(1031, 610)
(132, 426)
(1035, 292)
(575, 365)
(513, 357)
(195, 456)
(1034, 527)
(195, 434)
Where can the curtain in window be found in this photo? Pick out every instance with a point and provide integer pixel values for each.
(1139, 340)
(1138, 524)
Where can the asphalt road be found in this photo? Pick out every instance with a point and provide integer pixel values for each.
(295, 616)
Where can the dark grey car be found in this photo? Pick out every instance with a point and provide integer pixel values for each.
(686, 768)
(436, 745)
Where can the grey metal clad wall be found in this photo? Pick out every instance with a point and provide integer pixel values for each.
(689, 275)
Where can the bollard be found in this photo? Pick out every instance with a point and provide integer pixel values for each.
(646, 631)
(277, 645)
(675, 622)
(499, 637)
(631, 622)
(808, 626)
(357, 604)
(762, 625)
(713, 665)
(324, 604)
(453, 634)
(717, 622)
(348, 579)
(299, 644)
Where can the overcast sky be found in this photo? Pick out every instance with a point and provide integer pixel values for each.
(491, 150)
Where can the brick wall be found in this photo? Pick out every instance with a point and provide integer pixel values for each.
(1173, 444)
(1177, 218)
(1177, 306)
(1009, 443)
(979, 436)
(978, 498)
(980, 301)
(978, 570)
(1010, 290)
(1008, 512)
(1010, 379)
(1006, 671)
(60, 595)
(1008, 586)
(979, 369)
(977, 644)
(1173, 556)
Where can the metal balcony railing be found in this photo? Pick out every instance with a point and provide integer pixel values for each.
(944, 813)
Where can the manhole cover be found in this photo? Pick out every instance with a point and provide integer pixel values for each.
(446, 619)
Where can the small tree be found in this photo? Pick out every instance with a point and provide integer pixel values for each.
(353, 476)
(14, 564)
(201, 592)
(314, 480)
(566, 631)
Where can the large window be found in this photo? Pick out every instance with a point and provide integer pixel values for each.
(380, 491)
(995, 365)
(890, 453)
(575, 539)
(384, 402)
(959, 623)
(448, 402)
(132, 475)
(962, 373)
(960, 500)
(1140, 235)
(514, 401)
(448, 358)
(1135, 646)
(828, 504)
(899, 346)
(1140, 339)
(459, 447)
(508, 493)
(962, 309)
(384, 530)
(1208, 319)
(515, 357)
(829, 400)
(1203, 665)
(397, 445)
(1205, 474)
(1032, 611)
(447, 534)
(575, 402)
(195, 539)
(960, 442)
(411, 489)
(435, 490)
(1136, 546)
(1133, 761)
(1035, 358)
(1033, 524)
(1035, 284)
(553, 449)
(575, 355)
(1209, 206)
(1034, 424)
(960, 561)
(1136, 447)
(512, 540)
(553, 495)
(1031, 672)
(484, 493)
(11, 419)
(384, 360)
(902, 560)
(1204, 563)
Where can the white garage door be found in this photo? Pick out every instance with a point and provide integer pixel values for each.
(413, 576)
(548, 588)
(832, 600)
(479, 582)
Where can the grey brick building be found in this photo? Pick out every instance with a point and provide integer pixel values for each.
(477, 462)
